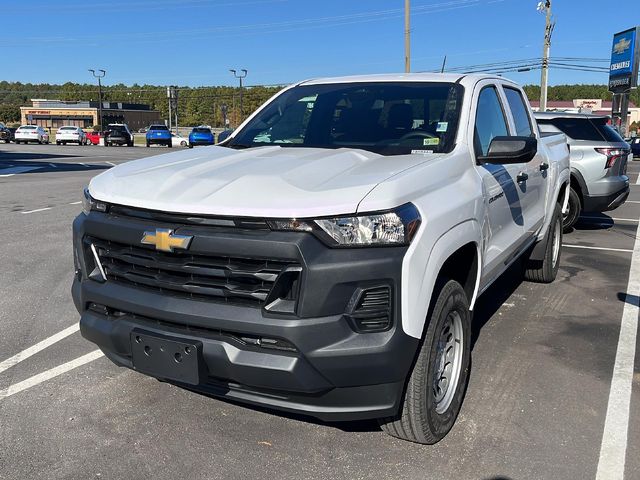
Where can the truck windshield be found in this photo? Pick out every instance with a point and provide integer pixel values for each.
(386, 118)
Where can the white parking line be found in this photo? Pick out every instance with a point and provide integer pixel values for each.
(632, 220)
(49, 374)
(28, 352)
(76, 203)
(587, 247)
(36, 210)
(614, 437)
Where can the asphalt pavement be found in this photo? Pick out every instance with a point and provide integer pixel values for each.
(538, 397)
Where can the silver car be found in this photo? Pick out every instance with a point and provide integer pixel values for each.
(599, 157)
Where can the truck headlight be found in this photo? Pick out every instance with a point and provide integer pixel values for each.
(89, 203)
(388, 228)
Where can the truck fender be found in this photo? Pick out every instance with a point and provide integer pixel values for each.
(561, 190)
(420, 269)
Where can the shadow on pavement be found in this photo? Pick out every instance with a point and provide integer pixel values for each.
(17, 167)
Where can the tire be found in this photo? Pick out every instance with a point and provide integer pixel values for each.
(190, 145)
(427, 415)
(170, 145)
(148, 144)
(57, 143)
(575, 208)
(182, 143)
(545, 271)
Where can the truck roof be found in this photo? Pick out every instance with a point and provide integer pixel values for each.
(405, 77)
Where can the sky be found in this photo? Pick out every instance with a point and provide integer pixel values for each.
(196, 42)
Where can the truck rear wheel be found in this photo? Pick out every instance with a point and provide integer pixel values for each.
(438, 381)
(545, 271)
(575, 207)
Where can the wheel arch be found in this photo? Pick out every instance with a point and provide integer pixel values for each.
(456, 253)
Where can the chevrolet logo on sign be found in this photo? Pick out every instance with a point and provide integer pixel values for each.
(622, 46)
(165, 240)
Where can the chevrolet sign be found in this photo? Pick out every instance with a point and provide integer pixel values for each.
(623, 69)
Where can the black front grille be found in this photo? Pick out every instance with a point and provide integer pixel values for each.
(218, 278)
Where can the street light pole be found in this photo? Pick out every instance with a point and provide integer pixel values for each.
(407, 37)
(240, 76)
(99, 76)
(545, 6)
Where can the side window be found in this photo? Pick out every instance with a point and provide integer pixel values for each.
(519, 112)
(490, 121)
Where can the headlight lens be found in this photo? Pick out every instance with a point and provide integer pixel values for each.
(89, 203)
(389, 228)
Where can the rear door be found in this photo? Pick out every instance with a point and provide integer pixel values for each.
(503, 225)
(534, 187)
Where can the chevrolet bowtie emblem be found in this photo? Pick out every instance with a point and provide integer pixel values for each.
(165, 240)
(622, 46)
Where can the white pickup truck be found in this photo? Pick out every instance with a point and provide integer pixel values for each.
(327, 257)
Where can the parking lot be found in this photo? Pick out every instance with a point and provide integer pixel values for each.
(539, 392)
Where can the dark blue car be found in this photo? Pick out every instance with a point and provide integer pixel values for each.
(158, 135)
(635, 146)
(201, 136)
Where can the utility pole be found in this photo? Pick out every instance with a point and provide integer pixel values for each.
(240, 76)
(170, 97)
(99, 76)
(407, 37)
(545, 7)
(223, 108)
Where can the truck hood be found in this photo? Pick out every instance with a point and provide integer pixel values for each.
(256, 182)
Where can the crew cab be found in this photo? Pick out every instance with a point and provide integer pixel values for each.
(326, 258)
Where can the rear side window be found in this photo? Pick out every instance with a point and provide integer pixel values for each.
(519, 112)
(201, 130)
(490, 121)
(158, 127)
(593, 130)
(609, 134)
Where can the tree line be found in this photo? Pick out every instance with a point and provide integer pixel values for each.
(204, 105)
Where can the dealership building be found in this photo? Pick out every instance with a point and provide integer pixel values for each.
(52, 114)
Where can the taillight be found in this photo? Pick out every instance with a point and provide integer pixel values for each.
(612, 154)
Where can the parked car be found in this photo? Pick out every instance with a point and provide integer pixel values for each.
(179, 141)
(599, 157)
(158, 135)
(70, 134)
(635, 146)
(142, 130)
(201, 136)
(339, 263)
(6, 134)
(93, 137)
(118, 134)
(222, 136)
(31, 133)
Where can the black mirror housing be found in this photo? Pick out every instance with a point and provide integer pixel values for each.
(506, 150)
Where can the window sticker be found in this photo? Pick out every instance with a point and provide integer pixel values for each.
(431, 141)
(442, 126)
(422, 152)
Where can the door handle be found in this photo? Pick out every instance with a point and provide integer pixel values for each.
(522, 177)
(544, 166)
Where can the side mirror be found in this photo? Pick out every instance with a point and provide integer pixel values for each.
(506, 150)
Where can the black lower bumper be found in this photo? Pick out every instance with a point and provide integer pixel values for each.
(604, 203)
(159, 141)
(331, 371)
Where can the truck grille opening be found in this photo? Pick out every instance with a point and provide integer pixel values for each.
(370, 309)
(246, 281)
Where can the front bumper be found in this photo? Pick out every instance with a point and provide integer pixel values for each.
(195, 142)
(332, 373)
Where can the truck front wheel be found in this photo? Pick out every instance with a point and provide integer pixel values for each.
(439, 377)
